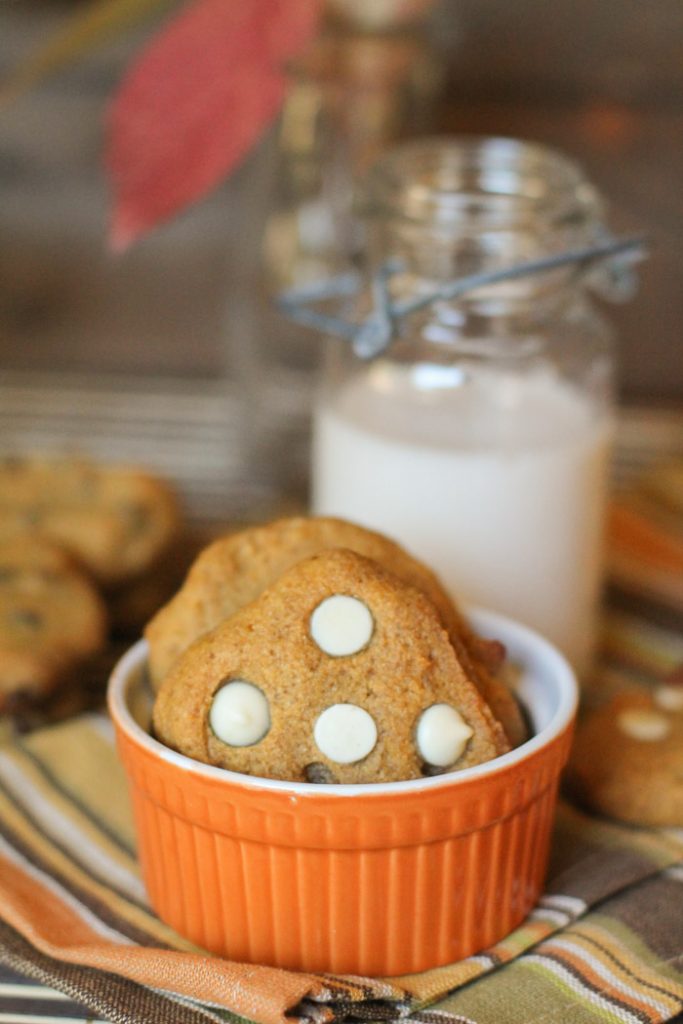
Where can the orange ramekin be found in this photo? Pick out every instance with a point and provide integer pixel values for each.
(379, 879)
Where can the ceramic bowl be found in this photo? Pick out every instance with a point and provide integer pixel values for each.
(379, 879)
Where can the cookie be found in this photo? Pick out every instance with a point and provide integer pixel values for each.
(51, 620)
(234, 570)
(116, 520)
(339, 672)
(627, 761)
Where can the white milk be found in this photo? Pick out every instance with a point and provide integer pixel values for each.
(498, 483)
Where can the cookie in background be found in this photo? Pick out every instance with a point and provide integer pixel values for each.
(52, 621)
(109, 536)
(120, 522)
(627, 760)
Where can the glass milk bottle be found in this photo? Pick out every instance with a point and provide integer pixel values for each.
(480, 438)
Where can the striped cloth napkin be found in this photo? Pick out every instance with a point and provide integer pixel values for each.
(604, 944)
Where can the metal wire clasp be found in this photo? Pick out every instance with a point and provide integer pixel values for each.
(614, 256)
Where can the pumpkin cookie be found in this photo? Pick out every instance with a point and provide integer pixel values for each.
(115, 520)
(627, 760)
(51, 621)
(339, 672)
(234, 570)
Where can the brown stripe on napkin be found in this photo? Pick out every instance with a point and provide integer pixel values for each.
(610, 966)
(653, 912)
(108, 995)
(592, 858)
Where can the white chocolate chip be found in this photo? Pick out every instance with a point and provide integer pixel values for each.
(341, 625)
(670, 698)
(239, 714)
(345, 733)
(641, 724)
(442, 735)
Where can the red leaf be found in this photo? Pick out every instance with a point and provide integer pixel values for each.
(195, 102)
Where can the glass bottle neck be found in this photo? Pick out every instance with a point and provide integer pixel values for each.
(447, 208)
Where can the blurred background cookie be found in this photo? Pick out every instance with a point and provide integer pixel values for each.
(627, 760)
(116, 520)
(52, 620)
(122, 524)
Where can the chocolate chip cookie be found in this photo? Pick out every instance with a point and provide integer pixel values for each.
(51, 620)
(115, 520)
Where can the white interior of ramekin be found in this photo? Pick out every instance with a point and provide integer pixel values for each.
(546, 686)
